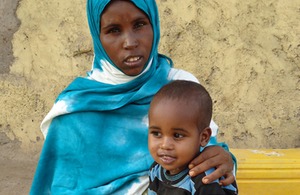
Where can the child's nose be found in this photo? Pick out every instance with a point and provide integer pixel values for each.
(167, 144)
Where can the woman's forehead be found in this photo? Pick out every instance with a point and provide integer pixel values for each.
(118, 6)
(123, 5)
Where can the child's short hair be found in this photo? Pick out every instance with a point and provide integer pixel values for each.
(192, 93)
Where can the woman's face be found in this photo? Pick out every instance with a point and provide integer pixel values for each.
(126, 35)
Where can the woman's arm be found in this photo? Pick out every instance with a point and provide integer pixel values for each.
(214, 156)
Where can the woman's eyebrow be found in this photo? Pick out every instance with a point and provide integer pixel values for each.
(140, 18)
(109, 26)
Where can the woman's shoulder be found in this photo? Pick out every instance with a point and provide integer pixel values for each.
(179, 74)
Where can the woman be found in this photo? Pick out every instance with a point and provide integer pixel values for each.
(97, 129)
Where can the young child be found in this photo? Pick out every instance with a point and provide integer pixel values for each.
(179, 118)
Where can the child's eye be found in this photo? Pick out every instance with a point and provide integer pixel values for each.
(178, 135)
(156, 133)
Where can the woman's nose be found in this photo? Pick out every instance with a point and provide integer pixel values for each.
(130, 41)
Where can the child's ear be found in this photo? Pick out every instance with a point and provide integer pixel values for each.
(205, 136)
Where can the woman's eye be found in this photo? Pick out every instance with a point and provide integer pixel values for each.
(139, 25)
(113, 30)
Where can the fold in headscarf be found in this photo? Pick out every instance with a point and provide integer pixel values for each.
(96, 132)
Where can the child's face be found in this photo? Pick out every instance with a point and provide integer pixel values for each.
(126, 35)
(174, 139)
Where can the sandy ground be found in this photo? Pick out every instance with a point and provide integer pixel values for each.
(16, 167)
(247, 54)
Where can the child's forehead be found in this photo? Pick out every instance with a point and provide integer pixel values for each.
(179, 101)
(175, 105)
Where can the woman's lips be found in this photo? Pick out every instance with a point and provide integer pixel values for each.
(133, 60)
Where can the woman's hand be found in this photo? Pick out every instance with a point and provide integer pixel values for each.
(210, 157)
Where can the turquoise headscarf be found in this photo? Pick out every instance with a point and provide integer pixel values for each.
(94, 11)
(96, 132)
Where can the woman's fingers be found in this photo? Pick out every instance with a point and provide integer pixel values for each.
(206, 160)
(201, 165)
(220, 171)
(207, 153)
(229, 179)
(213, 157)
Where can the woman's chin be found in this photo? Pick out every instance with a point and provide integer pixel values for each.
(133, 72)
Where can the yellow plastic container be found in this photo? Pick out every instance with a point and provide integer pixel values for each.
(268, 172)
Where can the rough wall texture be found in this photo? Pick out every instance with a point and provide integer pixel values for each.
(247, 53)
(9, 24)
